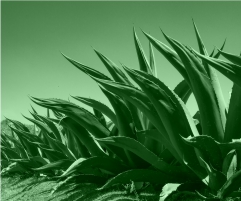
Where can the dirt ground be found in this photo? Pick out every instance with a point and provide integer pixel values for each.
(19, 188)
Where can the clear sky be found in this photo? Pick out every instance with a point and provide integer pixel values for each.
(34, 34)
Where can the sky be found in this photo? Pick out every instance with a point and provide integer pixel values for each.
(33, 35)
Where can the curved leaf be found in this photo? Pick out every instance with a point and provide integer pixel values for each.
(83, 135)
(231, 57)
(170, 55)
(215, 179)
(213, 78)
(61, 164)
(100, 117)
(183, 91)
(203, 91)
(142, 102)
(230, 164)
(106, 163)
(98, 106)
(230, 70)
(233, 126)
(141, 151)
(113, 69)
(87, 70)
(152, 61)
(18, 125)
(144, 65)
(209, 148)
(52, 126)
(171, 111)
(78, 114)
(231, 185)
(124, 119)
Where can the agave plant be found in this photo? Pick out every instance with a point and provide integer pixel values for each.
(151, 136)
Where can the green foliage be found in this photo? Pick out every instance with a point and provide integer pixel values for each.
(150, 135)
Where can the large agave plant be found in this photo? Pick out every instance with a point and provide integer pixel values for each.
(151, 136)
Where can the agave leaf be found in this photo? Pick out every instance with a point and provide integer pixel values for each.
(27, 135)
(144, 65)
(39, 159)
(52, 126)
(95, 74)
(233, 126)
(167, 190)
(235, 144)
(209, 148)
(10, 153)
(125, 123)
(100, 117)
(52, 154)
(170, 109)
(212, 53)
(75, 144)
(78, 114)
(106, 163)
(213, 78)
(98, 106)
(218, 53)
(155, 142)
(170, 55)
(83, 135)
(230, 185)
(141, 151)
(28, 163)
(13, 168)
(212, 124)
(5, 140)
(61, 164)
(18, 145)
(42, 126)
(24, 138)
(183, 91)
(4, 156)
(152, 61)
(231, 57)
(48, 114)
(113, 69)
(34, 111)
(230, 164)
(87, 70)
(216, 179)
(142, 102)
(34, 114)
(4, 162)
(58, 146)
(142, 175)
(174, 99)
(230, 70)
(114, 131)
(18, 125)
(58, 115)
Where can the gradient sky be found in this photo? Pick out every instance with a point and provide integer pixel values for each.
(34, 34)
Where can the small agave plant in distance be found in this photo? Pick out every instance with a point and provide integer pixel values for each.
(150, 135)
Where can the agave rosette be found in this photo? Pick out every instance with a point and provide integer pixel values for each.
(150, 131)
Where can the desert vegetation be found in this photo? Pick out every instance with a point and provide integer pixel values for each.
(149, 137)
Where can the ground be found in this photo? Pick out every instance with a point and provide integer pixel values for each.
(22, 188)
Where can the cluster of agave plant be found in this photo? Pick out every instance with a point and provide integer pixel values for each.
(150, 135)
